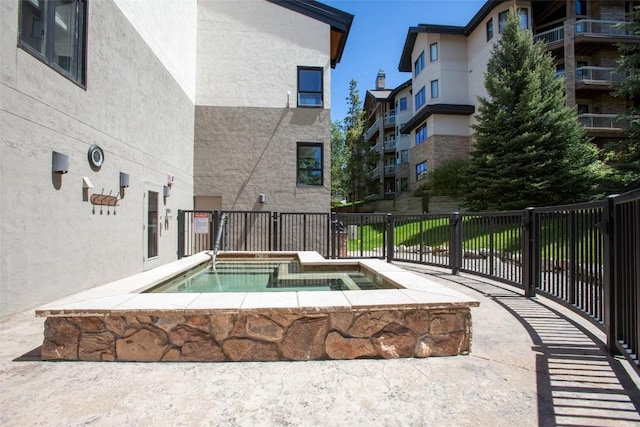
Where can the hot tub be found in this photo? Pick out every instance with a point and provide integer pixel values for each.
(411, 317)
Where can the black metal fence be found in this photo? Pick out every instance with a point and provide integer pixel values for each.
(586, 256)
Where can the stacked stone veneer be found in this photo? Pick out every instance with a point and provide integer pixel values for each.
(259, 335)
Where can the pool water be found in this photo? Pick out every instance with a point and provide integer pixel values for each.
(264, 276)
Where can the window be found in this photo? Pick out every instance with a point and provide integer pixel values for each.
(419, 64)
(421, 170)
(502, 18)
(489, 29)
(54, 31)
(309, 87)
(435, 89)
(433, 52)
(523, 14)
(420, 98)
(152, 224)
(309, 164)
(403, 104)
(581, 7)
(404, 156)
(421, 134)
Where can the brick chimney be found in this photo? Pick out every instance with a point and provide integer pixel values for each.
(380, 80)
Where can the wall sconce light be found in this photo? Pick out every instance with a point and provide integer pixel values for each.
(60, 163)
(124, 180)
(170, 179)
(166, 191)
(262, 198)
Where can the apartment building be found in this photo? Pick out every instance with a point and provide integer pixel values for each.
(115, 114)
(387, 110)
(448, 65)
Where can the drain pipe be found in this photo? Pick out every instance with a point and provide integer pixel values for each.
(216, 247)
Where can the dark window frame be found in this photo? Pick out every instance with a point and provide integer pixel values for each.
(489, 29)
(318, 145)
(420, 172)
(403, 103)
(319, 92)
(432, 57)
(418, 65)
(437, 86)
(422, 97)
(78, 60)
(421, 134)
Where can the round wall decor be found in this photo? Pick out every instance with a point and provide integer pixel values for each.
(96, 157)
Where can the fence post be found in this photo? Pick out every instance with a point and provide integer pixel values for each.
(390, 248)
(333, 235)
(274, 242)
(607, 227)
(528, 234)
(455, 244)
(214, 223)
(180, 233)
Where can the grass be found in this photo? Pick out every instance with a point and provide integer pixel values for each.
(503, 236)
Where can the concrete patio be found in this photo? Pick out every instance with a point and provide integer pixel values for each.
(532, 362)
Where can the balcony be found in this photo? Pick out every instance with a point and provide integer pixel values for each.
(390, 170)
(604, 124)
(390, 119)
(598, 75)
(375, 173)
(372, 130)
(589, 34)
(376, 148)
(390, 144)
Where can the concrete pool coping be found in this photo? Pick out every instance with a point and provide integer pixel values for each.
(123, 296)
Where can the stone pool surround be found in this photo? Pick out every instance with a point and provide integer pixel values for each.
(117, 322)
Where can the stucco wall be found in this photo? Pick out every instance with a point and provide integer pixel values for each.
(53, 241)
(249, 51)
(168, 27)
(243, 152)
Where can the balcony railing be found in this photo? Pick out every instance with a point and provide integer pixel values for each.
(390, 143)
(376, 172)
(550, 36)
(604, 121)
(585, 26)
(598, 74)
(372, 129)
(593, 26)
(389, 119)
(390, 169)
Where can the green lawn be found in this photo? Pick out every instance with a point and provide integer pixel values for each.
(506, 234)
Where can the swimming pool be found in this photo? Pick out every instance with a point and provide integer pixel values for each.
(120, 321)
(280, 275)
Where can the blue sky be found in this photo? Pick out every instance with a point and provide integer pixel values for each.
(377, 37)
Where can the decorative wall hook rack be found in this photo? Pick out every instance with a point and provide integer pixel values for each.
(105, 199)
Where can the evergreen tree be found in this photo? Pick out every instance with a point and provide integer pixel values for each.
(358, 164)
(623, 157)
(529, 147)
(339, 161)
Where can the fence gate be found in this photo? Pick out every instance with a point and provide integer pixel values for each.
(195, 231)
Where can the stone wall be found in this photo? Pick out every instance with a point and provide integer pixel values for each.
(259, 335)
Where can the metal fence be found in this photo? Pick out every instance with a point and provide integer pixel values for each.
(586, 256)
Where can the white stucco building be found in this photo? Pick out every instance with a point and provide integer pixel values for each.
(114, 114)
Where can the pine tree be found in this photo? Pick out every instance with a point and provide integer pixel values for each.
(356, 145)
(623, 157)
(529, 148)
(339, 161)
